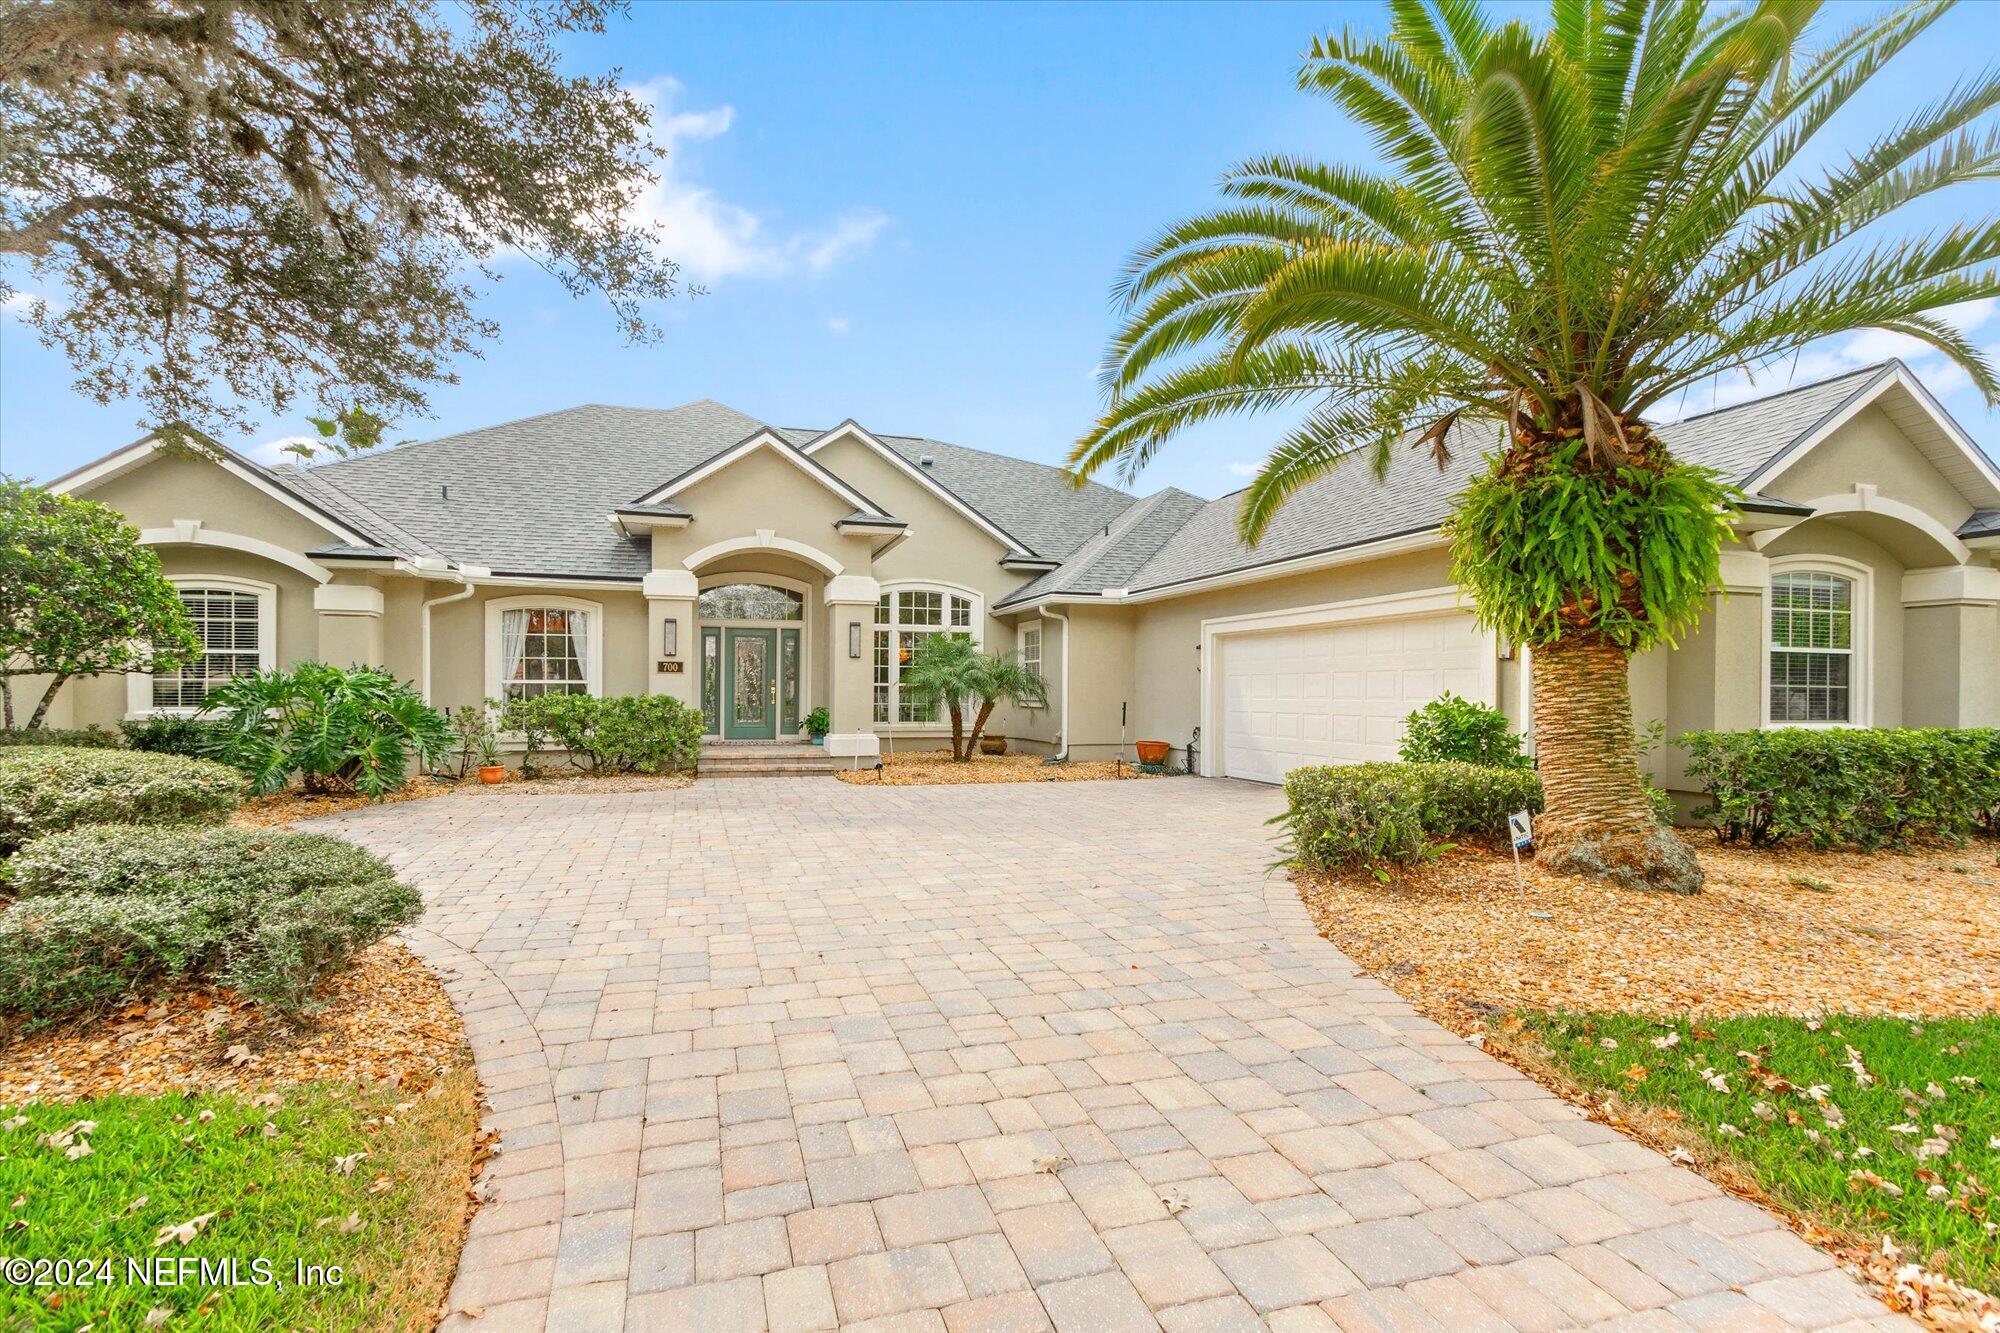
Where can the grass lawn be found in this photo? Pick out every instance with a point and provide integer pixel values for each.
(1868, 1126)
(272, 1176)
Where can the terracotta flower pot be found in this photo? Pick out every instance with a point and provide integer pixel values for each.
(1153, 752)
(992, 745)
(490, 773)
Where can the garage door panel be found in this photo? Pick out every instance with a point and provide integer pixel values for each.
(1338, 694)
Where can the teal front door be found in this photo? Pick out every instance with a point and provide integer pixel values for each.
(749, 684)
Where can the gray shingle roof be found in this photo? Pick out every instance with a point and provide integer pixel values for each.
(1116, 553)
(531, 496)
(1349, 507)
(1983, 523)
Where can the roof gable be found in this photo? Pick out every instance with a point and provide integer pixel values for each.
(918, 473)
(758, 441)
(149, 449)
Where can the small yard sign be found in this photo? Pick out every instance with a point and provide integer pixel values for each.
(1521, 828)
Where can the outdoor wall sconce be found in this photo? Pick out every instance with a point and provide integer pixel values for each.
(670, 638)
(854, 639)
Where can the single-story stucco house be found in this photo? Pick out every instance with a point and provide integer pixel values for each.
(759, 572)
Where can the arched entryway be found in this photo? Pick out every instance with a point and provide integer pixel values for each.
(754, 647)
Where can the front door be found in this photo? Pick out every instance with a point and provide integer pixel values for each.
(749, 685)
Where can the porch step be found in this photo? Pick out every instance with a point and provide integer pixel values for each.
(763, 759)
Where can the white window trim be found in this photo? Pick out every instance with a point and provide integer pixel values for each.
(593, 669)
(1021, 633)
(803, 625)
(978, 630)
(139, 684)
(1861, 633)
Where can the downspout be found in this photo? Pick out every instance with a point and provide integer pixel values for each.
(425, 629)
(1062, 729)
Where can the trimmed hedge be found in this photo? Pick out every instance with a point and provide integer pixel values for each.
(107, 913)
(48, 789)
(1450, 729)
(168, 734)
(1371, 814)
(625, 733)
(86, 738)
(1859, 786)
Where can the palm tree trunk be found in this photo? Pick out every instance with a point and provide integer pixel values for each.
(1598, 821)
(957, 733)
(978, 727)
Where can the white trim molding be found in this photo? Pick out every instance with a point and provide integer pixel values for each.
(853, 430)
(121, 461)
(1860, 634)
(852, 590)
(1865, 499)
(1743, 571)
(193, 532)
(1952, 585)
(139, 684)
(765, 539)
(679, 583)
(1393, 606)
(778, 445)
(347, 599)
(593, 668)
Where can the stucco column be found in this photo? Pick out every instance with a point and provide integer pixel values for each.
(350, 623)
(850, 603)
(670, 596)
(1715, 677)
(1951, 622)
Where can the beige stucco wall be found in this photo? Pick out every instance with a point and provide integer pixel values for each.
(459, 669)
(1871, 449)
(168, 487)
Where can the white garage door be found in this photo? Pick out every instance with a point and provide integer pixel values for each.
(1338, 694)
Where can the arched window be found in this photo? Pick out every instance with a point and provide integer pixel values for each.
(1813, 669)
(751, 601)
(236, 622)
(906, 614)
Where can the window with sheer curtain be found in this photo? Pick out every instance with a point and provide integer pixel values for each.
(544, 650)
(904, 617)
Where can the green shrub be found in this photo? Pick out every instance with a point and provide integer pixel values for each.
(83, 738)
(1449, 728)
(1368, 814)
(170, 734)
(626, 733)
(1858, 786)
(47, 789)
(105, 914)
(340, 729)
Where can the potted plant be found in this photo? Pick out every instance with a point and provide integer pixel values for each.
(817, 723)
(993, 745)
(491, 770)
(1154, 752)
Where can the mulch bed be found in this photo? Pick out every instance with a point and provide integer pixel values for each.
(919, 768)
(386, 1019)
(1795, 932)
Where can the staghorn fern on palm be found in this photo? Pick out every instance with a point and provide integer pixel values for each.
(1574, 227)
(338, 729)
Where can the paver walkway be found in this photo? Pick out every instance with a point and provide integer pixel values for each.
(797, 1054)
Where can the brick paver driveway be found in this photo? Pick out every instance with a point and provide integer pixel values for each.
(791, 1053)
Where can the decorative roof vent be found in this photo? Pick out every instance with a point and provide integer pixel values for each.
(926, 460)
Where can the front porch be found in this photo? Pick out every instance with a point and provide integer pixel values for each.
(767, 759)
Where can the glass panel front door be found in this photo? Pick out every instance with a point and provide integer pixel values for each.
(750, 690)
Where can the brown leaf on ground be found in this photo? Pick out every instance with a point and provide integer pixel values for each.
(385, 1019)
(1900, 933)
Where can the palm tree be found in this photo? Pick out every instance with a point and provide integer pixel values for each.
(1575, 227)
(949, 669)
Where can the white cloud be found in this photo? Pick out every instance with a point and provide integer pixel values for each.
(837, 324)
(713, 238)
(21, 304)
(271, 452)
(1833, 357)
(1243, 469)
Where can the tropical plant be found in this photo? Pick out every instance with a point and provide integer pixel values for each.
(79, 595)
(472, 736)
(948, 669)
(1449, 727)
(621, 733)
(818, 721)
(339, 729)
(1574, 228)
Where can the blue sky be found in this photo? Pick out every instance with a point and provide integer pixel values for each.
(912, 216)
